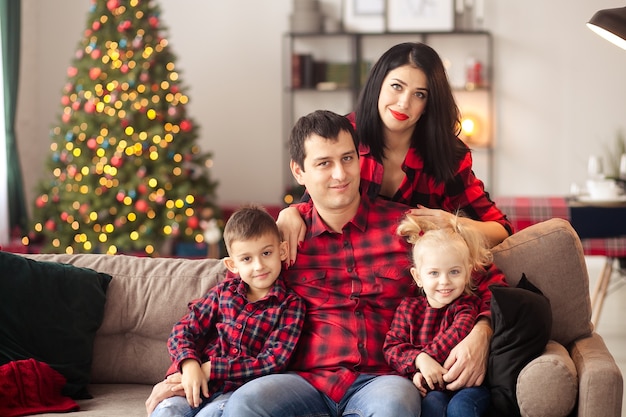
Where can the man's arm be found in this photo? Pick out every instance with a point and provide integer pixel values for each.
(467, 362)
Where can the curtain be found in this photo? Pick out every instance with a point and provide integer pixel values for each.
(10, 15)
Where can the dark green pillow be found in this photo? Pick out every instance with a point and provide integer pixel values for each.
(522, 322)
(50, 312)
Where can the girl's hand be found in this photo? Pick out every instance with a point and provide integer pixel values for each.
(418, 381)
(293, 230)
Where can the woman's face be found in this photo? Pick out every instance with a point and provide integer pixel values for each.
(403, 97)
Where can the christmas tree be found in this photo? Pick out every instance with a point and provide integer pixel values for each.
(126, 174)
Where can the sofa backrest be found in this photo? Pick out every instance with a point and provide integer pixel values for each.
(551, 255)
(145, 298)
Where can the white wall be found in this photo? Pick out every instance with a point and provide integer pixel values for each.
(560, 89)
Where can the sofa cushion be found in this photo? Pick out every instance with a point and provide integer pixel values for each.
(522, 322)
(146, 297)
(50, 312)
(548, 385)
(537, 251)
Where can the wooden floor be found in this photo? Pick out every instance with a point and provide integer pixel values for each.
(611, 324)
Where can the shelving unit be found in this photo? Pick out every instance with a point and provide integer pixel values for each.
(354, 53)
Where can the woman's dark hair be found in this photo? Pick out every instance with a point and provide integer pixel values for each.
(436, 133)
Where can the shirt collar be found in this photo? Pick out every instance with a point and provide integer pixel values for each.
(318, 226)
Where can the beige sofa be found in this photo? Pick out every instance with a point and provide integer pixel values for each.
(575, 376)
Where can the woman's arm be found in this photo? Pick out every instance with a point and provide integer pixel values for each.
(493, 231)
(292, 229)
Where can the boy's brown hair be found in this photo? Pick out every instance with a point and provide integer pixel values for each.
(249, 222)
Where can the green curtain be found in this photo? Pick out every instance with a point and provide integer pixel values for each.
(10, 15)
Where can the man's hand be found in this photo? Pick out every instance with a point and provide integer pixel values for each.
(467, 362)
(164, 389)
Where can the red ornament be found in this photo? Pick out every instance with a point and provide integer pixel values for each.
(153, 21)
(64, 216)
(65, 118)
(65, 100)
(95, 25)
(72, 71)
(90, 107)
(116, 161)
(94, 73)
(120, 196)
(76, 105)
(95, 54)
(141, 206)
(193, 222)
(113, 4)
(51, 225)
(92, 144)
(142, 188)
(40, 202)
(185, 125)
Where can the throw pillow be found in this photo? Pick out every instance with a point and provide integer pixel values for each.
(522, 322)
(50, 312)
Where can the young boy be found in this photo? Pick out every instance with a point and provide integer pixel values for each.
(245, 327)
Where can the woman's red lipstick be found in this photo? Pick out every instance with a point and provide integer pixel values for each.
(398, 115)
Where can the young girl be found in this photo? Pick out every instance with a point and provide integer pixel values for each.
(426, 328)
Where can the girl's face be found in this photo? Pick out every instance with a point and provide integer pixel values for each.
(443, 272)
(402, 99)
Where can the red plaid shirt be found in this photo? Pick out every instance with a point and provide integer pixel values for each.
(351, 283)
(418, 328)
(464, 193)
(242, 340)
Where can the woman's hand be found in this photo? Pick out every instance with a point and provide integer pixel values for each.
(493, 231)
(467, 362)
(293, 230)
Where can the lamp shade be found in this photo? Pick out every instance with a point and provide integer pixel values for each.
(611, 25)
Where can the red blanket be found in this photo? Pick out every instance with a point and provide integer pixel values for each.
(32, 387)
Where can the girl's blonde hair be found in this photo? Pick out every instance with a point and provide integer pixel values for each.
(419, 231)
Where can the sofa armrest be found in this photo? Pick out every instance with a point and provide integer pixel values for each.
(600, 380)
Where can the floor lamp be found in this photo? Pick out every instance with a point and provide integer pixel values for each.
(611, 25)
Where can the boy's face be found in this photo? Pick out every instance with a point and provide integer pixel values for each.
(331, 172)
(258, 262)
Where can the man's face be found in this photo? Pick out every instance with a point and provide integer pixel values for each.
(331, 173)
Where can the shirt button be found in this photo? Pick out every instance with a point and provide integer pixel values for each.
(349, 269)
(238, 326)
(234, 350)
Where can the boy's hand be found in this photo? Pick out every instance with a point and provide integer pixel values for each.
(194, 382)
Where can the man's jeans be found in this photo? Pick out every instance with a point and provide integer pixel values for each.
(179, 407)
(289, 395)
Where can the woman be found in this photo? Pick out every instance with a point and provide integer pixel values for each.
(408, 124)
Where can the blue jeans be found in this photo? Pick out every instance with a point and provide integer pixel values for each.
(179, 407)
(467, 402)
(289, 395)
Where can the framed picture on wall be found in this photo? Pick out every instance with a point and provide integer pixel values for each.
(364, 16)
(420, 15)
